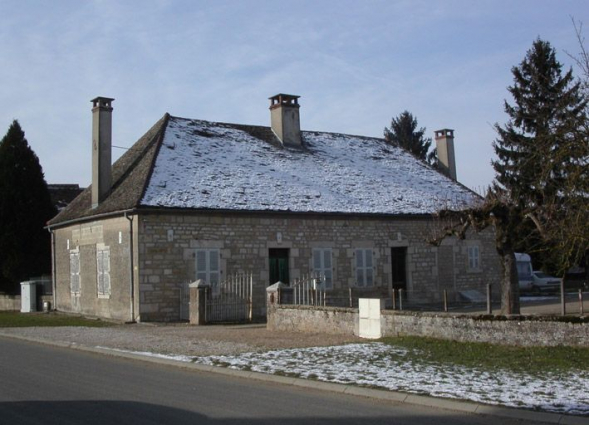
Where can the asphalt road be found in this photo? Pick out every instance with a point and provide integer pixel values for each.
(50, 385)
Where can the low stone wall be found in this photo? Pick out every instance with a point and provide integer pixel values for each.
(9, 302)
(12, 302)
(298, 318)
(519, 330)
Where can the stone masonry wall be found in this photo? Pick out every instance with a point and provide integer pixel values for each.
(521, 331)
(86, 237)
(13, 302)
(10, 303)
(327, 320)
(168, 243)
(518, 331)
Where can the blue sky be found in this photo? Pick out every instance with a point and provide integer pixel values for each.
(355, 64)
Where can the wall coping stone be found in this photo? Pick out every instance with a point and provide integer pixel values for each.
(490, 317)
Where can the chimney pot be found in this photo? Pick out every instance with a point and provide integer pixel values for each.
(445, 148)
(285, 119)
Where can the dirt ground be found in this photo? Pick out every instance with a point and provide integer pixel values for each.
(182, 339)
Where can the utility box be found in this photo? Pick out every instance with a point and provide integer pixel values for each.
(28, 297)
(369, 317)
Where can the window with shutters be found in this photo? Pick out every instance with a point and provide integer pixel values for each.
(75, 271)
(474, 258)
(364, 268)
(322, 265)
(208, 266)
(103, 271)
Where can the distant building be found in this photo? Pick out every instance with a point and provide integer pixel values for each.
(195, 199)
(63, 194)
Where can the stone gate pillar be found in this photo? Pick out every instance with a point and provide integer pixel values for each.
(198, 298)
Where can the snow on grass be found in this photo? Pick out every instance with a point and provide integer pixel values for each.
(384, 366)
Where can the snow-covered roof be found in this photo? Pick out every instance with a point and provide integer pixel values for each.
(207, 165)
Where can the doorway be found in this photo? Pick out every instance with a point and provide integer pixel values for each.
(399, 268)
(278, 259)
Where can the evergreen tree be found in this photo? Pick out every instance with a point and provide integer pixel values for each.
(542, 155)
(404, 133)
(25, 208)
(541, 191)
(544, 122)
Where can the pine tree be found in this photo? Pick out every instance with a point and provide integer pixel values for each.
(542, 153)
(25, 208)
(541, 173)
(548, 112)
(404, 133)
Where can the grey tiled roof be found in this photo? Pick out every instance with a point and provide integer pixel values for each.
(199, 165)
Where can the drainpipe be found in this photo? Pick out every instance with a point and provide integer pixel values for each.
(132, 266)
(53, 271)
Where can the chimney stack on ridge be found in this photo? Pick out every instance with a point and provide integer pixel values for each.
(445, 148)
(284, 115)
(101, 149)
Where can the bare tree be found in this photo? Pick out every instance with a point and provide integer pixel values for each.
(581, 59)
(495, 211)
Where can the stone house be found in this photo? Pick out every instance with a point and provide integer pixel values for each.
(193, 199)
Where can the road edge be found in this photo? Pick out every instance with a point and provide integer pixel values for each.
(384, 395)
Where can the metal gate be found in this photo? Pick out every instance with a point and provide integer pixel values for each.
(230, 301)
(185, 301)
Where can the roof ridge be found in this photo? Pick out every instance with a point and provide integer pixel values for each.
(158, 139)
(269, 127)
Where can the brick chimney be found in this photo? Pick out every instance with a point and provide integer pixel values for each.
(284, 115)
(445, 147)
(101, 149)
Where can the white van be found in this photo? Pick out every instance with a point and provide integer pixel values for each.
(534, 281)
(524, 272)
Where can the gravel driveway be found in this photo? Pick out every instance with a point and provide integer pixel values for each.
(181, 339)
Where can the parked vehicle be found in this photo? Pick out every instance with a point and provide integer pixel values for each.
(524, 272)
(535, 282)
(545, 283)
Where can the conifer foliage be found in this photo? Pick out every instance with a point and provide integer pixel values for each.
(544, 122)
(543, 153)
(25, 208)
(405, 134)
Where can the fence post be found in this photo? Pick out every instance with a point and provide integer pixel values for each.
(445, 301)
(394, 300)
(351, 300)
(581, 312)
(251, 298)
(563, 304)
(401, 299)
(489, 305)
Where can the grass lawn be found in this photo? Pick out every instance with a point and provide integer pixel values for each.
(11, 319)
(491, 357)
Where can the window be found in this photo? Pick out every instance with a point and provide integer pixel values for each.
(207, 266)
(322, 265)
(103, 271)
(474, 259)
(75, 271)
(364, 267)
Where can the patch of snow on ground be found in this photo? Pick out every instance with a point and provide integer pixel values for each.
(385, 366)
(178, 358)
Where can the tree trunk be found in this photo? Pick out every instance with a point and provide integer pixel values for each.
(509, 284)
